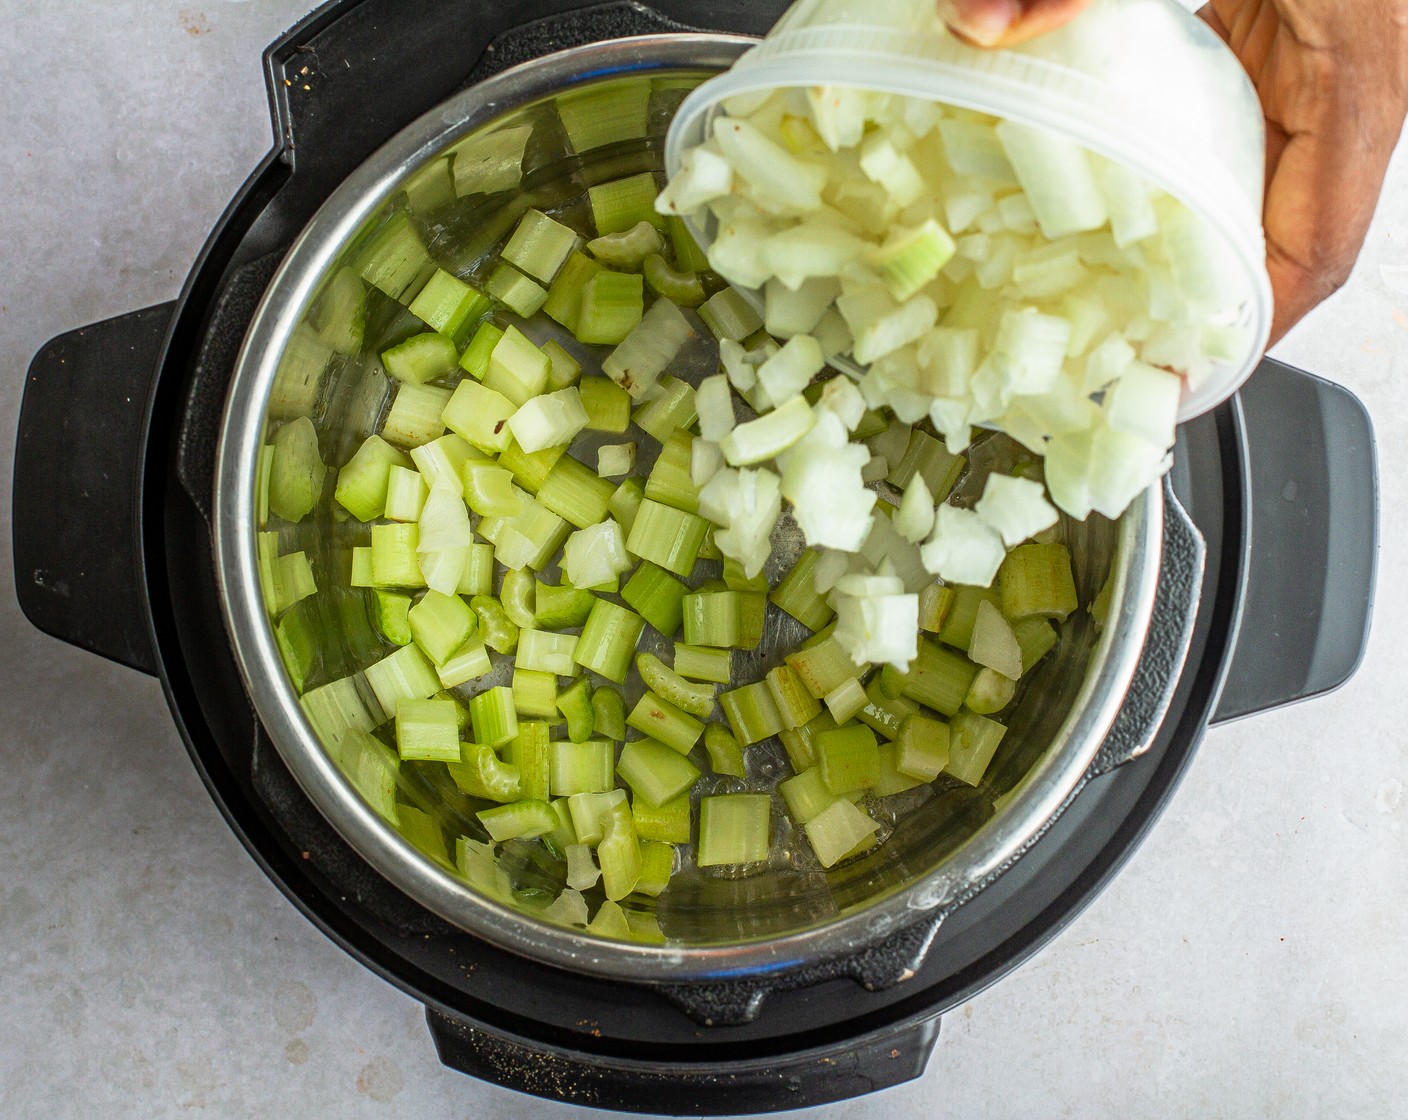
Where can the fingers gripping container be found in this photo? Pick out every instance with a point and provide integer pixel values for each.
(1142, 82)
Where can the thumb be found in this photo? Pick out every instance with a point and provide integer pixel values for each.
(984, 22)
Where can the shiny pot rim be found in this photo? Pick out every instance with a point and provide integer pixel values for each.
(1036, 800)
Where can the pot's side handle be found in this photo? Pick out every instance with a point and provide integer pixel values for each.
(1313, 550)
(762, 1085)
(78, 468)
(1166, 647)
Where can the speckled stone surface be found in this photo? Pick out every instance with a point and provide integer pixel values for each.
(1251, 961)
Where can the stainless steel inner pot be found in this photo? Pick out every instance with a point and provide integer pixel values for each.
(955, 840)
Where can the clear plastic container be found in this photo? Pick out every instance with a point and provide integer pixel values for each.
(1143, 82)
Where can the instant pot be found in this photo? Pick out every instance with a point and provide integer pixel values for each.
(1264, 589)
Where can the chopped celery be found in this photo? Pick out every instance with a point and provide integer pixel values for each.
(973, 740)
(341, 311)
(621, 203)
(403, 675)
(406, 493)
(656, 596)
(518, 370)
(627, 249)
(608, 405)
(575, 492)
(496, 629)
(684, 289)
(421, 358)
(670, 481)
(564, 835)
(846, 701)
(489, 490)
(703, 664)
(337, 709)
(297, 472)
(564, 302)
(493, 715)
(585, 767)
(667, 824)
(927, 458)
(696, 699)
(849, 758)
(575, 704)
(530, 471)
(561, 608)
(606, 114)
(595, 556)
(668, 537)
(565, 369)
(469, 662)
(891, 780)
(534, 694)
(448, 305)
(752, 712)
(612, 303)
(292, 581)
(361, 484)
(442, 461)
(734, 828)
(610, 922)
(939, 678)
(546, 652)
(806, 795)
(619, 853)
(1036, 637)
(485, 163)
(298, 385)
(615, 460)
(427, 730)
(524, 820)
(885, 713)
(1036, 582)
(478, 575)
(935, 601)
(770, 435)
(298, 644)
(482, 774)
(923, 748)
(361, 567)
(688, 255)
(539, 246)
(673, 407)
(962, 613)
(608, 640)
(517, 292)
(823, 666)
(440, 625)
(661, 720)
(990, 692)
(582, 870)
(838, 830)
(713, 618)
(657, 865)
(654, 771)
(796, 706)
(730, 316)
(480, 415)
(372, 769)
(394, 257)
(517, 595)
(797, 595)
(589, 812)
(625, 502)
(417, 415)
(475, 359)
(394, 559)
(993, 644)
(608, 714)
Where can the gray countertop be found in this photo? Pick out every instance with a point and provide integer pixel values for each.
(1251, 960)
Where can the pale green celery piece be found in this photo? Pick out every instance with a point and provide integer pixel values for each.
(625, 503)
(393, 258)
(564, 835)
(517, 368)
(297, 473)
(468, 663)
(482, 774)
(361, 484)
(416, 416)
(539, 246)
(516, 594)
(608, 714)
(1036, 637)
(935, 600)
(440, 625)
(405, 674)
(990, 692)
(475, 359)
(806, 795)
(838, 831)
(849, 758)
(561, 608)
(608, 640)
(846, 701)
(668, 823)
(930, 459)
(973, 740)
(525, 820)
(576, 493)
(885, 714)
(489, 491)
(589, 811)
(752, 712)
(657, 596)
(713, 618)
(575, 704)
(495, 720)
(891, 681)
(606, 114)
(1099, 606)
(891, 780)
(688, 255)
(337, 708)
(531, 539)
(520, 294)
(670, 480)
(534, 695)
(823, 666)
(297, 639)
(421, 358)
(667, 536)
(1036, 582)
(610, 921)
(341, 312)
(298, 385)
(659, 719)
(922, 748)
(657, 865)
(448, 305)
(292, 581)
(586, 767)
(496, 629)
(564, 302)
(372, 768)
(530, 469)
(734, 828)
(730, 316)
(674, 408)
(696, 699)
(481, 870)
(654, 771)
(618, 205)
(627, 249)
(611, 304)
(684, 289)
(547, 652)
(565, 369)
(406, 493)
(361, 567)
(442, 461)
(939, 678)
(700, 663)
(478, 576)
(962, 613)
(424, 833)
(736, 579)
(619, 853)
(795, 705)
(427, 730)
(725, 753)
(608, 405)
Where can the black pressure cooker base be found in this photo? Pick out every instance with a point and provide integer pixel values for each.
(492, 1014)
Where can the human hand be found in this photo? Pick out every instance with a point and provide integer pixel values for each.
(1332, 76)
